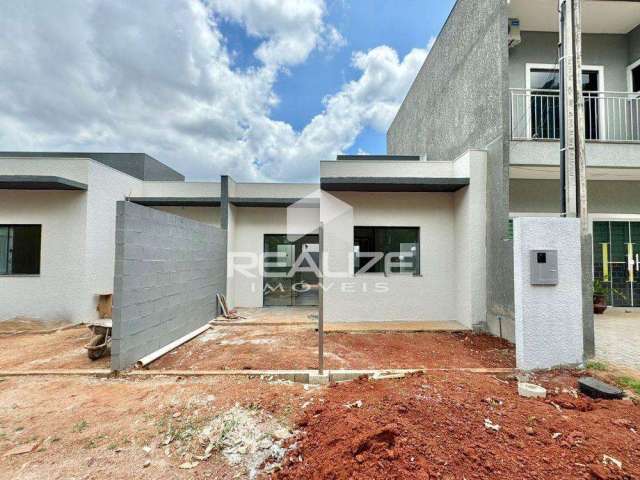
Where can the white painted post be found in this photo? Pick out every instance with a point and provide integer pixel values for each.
(548, 317)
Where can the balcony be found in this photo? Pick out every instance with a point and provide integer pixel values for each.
(610, 117)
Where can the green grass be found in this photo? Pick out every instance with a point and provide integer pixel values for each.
(80, 426)
(630, 383)
(594, 365)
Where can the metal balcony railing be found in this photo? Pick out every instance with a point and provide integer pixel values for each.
(609, 116)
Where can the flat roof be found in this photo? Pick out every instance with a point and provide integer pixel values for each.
(39, 182)
(392, 184)
(176, 201)
(274, 202)
(404, 158)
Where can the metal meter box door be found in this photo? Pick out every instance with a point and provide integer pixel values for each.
(544, 267)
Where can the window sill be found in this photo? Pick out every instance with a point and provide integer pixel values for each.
(14, 275)
(380, 274)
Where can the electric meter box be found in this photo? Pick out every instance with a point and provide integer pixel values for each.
(544, 267)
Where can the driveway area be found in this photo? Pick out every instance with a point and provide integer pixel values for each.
(618, 336)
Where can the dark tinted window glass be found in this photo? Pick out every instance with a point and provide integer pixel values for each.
(20, 249)
(402, 242)
(635, 79)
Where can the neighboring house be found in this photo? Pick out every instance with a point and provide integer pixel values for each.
(58, 230)
(491, 82)
(474, 143)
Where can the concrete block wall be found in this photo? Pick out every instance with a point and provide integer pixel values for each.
(168, 270)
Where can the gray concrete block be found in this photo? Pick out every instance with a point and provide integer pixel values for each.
(165, 280)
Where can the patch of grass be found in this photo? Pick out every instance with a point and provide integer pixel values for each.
(94, 442)
(80, 426)
(19, 429)
(630, 383)
(595, 365)
(112, 446)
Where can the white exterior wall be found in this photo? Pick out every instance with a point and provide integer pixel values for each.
(78, 239)
(470, 205)
(180, 189)
(208, 215)
(429, 296)
(106, 187)
(56, 292)
(250, 224)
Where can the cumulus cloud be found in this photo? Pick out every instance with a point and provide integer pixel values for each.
(156, 76)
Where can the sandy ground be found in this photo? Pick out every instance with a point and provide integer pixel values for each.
(99, 428)
(62, 349)
(295, 347)
(269, 348)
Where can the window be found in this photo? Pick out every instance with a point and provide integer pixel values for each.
(20, 249)
(545, 102)
(398, 247)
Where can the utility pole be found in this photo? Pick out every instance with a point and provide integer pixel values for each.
(573, 171)
(572, 125)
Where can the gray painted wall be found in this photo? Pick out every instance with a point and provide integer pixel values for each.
(543, 196)
(610, 51)
(460, 101)
(167, 273)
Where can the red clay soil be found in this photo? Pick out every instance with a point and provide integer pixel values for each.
(433, 426)
(37, 351)
(230, 348)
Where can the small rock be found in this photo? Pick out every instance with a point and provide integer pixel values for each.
(146, 463)
(146, 449)
(489, 425)
(607, 460)
(177, 414)
(356, 404)
(530, 431)
(189, 465)
(531, 390)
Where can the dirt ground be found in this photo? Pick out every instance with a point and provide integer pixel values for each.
(436, 425)
(93, 428)
(455, 426)
(38, 351)
(271, 347)
(295, 347)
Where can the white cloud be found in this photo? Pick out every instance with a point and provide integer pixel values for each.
(156, 76)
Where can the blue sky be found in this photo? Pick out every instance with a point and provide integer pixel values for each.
(364, 24)
(261, 90)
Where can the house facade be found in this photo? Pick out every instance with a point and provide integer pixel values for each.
(491, 82)
(420, 234)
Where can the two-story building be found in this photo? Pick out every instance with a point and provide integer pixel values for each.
(491, 82)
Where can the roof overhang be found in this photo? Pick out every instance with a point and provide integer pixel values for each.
(275, 202)
(392, 184)
(176, 201)
(598, 16)
(39, 182)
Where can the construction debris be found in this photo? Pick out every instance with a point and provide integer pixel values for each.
(530, 390)
(247, 438)
(595, 388)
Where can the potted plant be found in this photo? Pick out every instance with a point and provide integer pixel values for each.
(601, 291)
(600, 294)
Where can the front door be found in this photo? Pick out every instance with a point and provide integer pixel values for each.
(616, 260)
(289, 268)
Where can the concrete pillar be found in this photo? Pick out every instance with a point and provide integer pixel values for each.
(549, 317)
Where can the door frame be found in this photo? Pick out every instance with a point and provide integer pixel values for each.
(296, 254)
(551, 66)
(612, 217)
